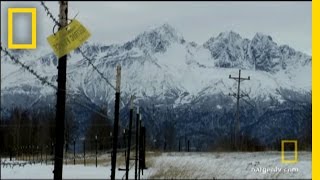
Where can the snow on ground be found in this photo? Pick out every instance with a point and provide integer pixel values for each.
(229, 166)
(38, 171)
(261, 165)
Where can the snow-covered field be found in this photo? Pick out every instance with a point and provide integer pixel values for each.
(262, 165)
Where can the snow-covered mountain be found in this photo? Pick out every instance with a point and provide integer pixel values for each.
(161, 68)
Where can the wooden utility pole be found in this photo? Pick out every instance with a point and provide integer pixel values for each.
(239, 79)
(116, 124)
(61, 99)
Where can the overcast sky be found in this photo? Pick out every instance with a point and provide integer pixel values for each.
(117, 22)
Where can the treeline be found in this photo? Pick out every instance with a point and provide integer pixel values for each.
(208, 123)
(204, 125)
(99, 131)
(31, 131)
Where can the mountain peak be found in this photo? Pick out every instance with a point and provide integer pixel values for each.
(158, 39)
(165, 31)
(226, 37)
(261, 37)
(166, 28)
(231, 35)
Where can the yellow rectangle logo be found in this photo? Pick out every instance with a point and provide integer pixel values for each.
(295, 160)
(68, 38)
(33, 12)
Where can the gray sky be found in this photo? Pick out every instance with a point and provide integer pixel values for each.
(117, 22)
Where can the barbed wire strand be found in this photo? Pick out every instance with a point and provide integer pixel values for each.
(44, 81)
(82, 53)
(26, 67)
(49, 14)
(99, 72)
(95, 68)
(89, 108)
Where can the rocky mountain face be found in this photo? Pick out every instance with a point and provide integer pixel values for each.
(182, 87)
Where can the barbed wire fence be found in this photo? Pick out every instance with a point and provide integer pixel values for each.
(44, 80)
(95, 68)
(49, 14)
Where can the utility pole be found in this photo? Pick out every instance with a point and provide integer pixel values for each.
(116, 124)
(61, 99)
(239, 79)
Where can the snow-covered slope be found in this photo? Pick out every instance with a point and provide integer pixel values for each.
(160, 67)
(160, 60)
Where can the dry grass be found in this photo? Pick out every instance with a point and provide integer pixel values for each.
(151, 157)
(167, 172)
(170, 172)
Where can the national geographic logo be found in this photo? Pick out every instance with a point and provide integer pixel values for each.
(295, 151)
(11, 43)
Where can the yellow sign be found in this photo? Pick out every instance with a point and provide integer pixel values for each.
(68, 38)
